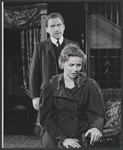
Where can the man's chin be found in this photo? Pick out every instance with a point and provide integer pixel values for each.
(58, 37)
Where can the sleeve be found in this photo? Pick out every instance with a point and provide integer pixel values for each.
(48, 114)
(35, 75)
(96, 109)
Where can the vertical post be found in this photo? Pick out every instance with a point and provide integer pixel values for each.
(83, 42)
(100, 8)
(105, 10)
(86, 40)
(43, 31)
(43, 14)
(111, 11)
(117, 14)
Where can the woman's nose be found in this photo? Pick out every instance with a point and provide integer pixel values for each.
(75, 68)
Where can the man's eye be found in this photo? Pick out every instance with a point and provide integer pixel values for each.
(59, 25)
(52, 26)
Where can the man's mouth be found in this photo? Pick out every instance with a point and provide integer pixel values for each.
(58, 33)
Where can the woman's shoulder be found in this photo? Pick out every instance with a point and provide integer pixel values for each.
(55, 80)
(57, 77)
(52, 83)
(83, 74)
(91, 80)
(93, 83)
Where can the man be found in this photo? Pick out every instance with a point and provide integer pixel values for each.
(45, 57)
(45, 63)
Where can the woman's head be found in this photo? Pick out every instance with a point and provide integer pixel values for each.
(71, 59)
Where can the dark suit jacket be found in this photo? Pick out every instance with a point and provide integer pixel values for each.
(43, 66)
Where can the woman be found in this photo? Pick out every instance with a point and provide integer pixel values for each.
(71, 103)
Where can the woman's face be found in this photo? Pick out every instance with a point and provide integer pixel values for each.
(72, 66)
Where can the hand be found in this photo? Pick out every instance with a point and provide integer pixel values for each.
(35, 102)
(95, 135)
(71, 142)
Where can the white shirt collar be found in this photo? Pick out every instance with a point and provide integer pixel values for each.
(54, 41)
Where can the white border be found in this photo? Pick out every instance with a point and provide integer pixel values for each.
(2, 73)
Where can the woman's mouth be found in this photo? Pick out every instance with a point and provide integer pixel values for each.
(74, 74)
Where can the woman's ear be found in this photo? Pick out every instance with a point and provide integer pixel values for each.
(61, 65)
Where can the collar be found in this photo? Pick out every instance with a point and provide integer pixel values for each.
(58, 80)
(54, 41)
(80, 80)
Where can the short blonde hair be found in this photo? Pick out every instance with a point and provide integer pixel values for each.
(71, 50)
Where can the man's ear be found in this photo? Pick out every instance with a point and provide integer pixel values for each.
(64, 26)
(46, 30)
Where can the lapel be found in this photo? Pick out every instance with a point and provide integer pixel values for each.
(67, 41)
(49, 46)
(58, 82)
(61, 92)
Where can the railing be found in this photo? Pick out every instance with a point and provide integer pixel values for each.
(110, 10)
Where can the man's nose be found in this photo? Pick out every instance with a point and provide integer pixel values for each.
(56, 27)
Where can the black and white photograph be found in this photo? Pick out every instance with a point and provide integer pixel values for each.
(61, 74)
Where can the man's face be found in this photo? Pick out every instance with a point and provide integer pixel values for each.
(55, 28)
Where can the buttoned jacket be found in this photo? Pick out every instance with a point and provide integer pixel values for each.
(43, 66)
(62, 116)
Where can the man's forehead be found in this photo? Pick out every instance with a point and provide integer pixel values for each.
(54, 21)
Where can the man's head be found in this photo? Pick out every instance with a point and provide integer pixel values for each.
(55, 25)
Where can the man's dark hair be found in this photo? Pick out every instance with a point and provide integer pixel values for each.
(52, 16)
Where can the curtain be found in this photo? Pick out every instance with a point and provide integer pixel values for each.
(26, 19)
(23, 16)
(29, 39)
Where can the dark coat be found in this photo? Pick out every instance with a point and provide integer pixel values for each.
(43, 66)
(62, 115)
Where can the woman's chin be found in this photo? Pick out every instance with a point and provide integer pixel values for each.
(73, 76)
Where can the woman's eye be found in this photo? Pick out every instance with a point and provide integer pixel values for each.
(79, 65)
(70, 65)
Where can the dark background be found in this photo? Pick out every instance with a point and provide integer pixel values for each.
(72, 12)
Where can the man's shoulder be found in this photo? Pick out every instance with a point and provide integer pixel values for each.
(43, 42)
(67, 41)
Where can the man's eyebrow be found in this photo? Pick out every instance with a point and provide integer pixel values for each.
(52, 25)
